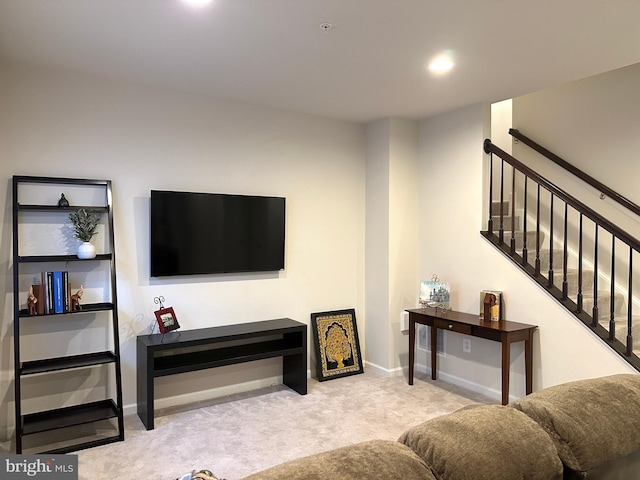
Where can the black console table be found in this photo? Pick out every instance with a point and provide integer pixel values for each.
(189, 350)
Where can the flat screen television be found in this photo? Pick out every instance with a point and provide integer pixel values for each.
(204, 233)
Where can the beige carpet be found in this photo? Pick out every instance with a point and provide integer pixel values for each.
(241, 434)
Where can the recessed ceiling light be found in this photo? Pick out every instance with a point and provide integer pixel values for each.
(441, 64)
(197, 3)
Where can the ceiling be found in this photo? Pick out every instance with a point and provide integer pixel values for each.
(371, 64)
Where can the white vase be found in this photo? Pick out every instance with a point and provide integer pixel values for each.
(86, 250)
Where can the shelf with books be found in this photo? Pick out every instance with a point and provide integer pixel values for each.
(86, 308)
(52, 282)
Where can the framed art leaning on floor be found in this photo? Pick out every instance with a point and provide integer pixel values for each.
(337, 346)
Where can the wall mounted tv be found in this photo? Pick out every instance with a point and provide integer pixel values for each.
(203, 233)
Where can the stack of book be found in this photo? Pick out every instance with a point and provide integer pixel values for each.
(53, 293)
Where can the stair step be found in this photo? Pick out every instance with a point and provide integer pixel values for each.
(506, 221)
(519, 238)
(495, 207)
(545, 256)
(604, 306)
(621, 332)
(572, 281)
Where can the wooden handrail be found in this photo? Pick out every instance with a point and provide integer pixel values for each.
(603, 321)
(634, 243)
(625, 202)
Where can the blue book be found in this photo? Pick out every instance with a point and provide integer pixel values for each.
(58, 292)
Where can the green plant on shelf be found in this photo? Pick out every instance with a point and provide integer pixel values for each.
(85, 223)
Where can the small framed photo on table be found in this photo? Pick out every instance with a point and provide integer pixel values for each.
(167, 320)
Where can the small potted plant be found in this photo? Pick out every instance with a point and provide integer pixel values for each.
(85, 223)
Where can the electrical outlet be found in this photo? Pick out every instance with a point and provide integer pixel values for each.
(466, 345)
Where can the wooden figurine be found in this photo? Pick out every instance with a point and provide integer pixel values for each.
(75, 299)
(489, 304)
(31, 302)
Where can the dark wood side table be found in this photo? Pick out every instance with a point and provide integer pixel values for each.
(503, 331)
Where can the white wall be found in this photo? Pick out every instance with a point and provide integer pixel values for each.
(378, 140)
(58, 124)
(593, 124)
(501, 122)
(391, 239)
(403, 234)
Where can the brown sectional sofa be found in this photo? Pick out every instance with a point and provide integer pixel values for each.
(584, 429)
(594, 424)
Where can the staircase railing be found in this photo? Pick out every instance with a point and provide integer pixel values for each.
(589, 248)
(601, 187)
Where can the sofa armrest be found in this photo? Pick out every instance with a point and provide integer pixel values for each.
(591, 422)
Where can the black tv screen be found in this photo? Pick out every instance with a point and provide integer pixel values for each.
(202, 233)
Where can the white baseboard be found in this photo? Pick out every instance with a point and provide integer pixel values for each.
(460, 382)
(204, 395)
(383, 371)
(463, 383)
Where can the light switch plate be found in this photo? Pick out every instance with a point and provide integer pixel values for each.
(404, 321)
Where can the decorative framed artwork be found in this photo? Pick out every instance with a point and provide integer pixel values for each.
(491, 305)
(336, 344)
(167, 320)
(434, 293)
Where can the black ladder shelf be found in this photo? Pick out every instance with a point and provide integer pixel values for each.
(48, 420)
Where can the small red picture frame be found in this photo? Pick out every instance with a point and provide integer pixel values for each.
(167, 320)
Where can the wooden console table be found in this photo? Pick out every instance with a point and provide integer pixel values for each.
(190, 350)
(503, 331)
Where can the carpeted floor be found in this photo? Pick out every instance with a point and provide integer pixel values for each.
(241, 434)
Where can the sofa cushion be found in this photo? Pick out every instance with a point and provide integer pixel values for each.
(590, 421)
(485, 442)
(373, 460)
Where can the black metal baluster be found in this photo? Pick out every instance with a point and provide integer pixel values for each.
(565, 257)
(490, 222)
(594, 312)
(524, 224)
(501, 231)
(612, 291)
(513, 210)
(630, 305)
(550, 278)
(537, 263)
(579, 297)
